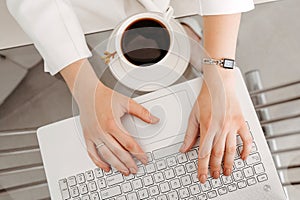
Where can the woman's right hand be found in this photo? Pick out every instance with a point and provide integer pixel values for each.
(101, 110)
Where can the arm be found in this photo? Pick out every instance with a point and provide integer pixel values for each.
(216, 113)
(56, 33)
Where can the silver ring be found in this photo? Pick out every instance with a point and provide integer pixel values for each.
(99, 145)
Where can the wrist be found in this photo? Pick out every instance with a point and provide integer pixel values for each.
(81, 80)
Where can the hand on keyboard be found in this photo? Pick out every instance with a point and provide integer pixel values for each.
(218, 117)
(101, 125)
(107, 141)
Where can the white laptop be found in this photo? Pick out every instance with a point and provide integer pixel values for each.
(169, 175)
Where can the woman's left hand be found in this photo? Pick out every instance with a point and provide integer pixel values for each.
(218, 118)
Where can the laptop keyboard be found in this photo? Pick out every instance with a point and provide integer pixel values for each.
(169, 175)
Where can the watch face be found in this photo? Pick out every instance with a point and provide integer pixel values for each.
(228, 63)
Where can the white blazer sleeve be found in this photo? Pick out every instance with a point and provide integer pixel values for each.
(220, 7)
(54, 29)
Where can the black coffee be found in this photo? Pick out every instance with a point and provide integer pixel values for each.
(145, 42)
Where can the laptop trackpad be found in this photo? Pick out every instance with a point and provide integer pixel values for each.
(173, 111)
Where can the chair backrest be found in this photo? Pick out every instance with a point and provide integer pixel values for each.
(280, 120)
(22, 174)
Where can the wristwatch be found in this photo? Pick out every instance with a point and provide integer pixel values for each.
(225, 62)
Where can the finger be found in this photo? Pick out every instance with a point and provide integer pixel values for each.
(120, 153)
(141, 112)
(191, 134)
(128, 143)
(230, 150)
(203, 154)
(109, 157)
(93, 153)
(217, 154)
(247, 141)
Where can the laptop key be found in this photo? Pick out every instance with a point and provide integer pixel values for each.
(239, 163)
(83, 189)
(212, 194)
(143, 194)
(132, 196)
(63, 184)
(121, 198)
(101, 183)
(65, 194)
(195, 177)
(251, 181)
(259, 168)
(154, 190)
(148, 180)
(141, 171)
(150, 168)
(206, 186)
(202, 197)
(164, 187)
(80, 178)
(137, 184)
(162, 197)
(158, 177)
(237, 175)
(126, 187)
(86, 197)
(253, 158)
(71, 181)
(262, 177)
(161, 165)
(194, 189)
(232, 187)
(169, 173)
(110, 192)
(248, 172)
(222, 191)
(129, 177)
(175, 183)
(173, 195)
(149, 156)
(95, 196)
(171, 161)
(184, 193)
(181, 157)
(186, 180)
(92, 186)
(114, 179)
(241, 184)
(179, 170)
(89, 175)
(216, 183)
(226, 179)
(74, 191)
(193, 155)
(98, 172)
(191, 167)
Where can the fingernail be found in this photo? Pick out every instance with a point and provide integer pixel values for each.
(153, 119)
(216, 174)
(227, 172)
(144, 160)
(182, 148)
(202, 178)
(132, 170)
(124, 171)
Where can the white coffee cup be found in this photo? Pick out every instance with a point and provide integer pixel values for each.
(156, 75)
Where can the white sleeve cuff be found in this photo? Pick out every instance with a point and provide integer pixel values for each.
(54, 29)
(220, 7)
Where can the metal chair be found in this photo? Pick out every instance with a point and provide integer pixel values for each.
(284, 145)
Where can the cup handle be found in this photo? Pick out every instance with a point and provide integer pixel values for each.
(169, 13)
